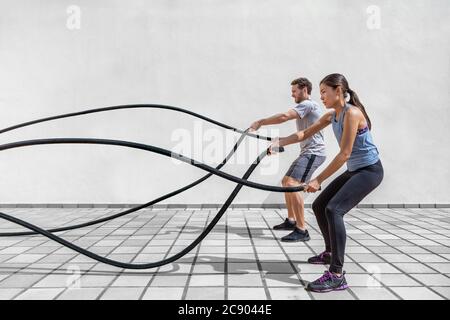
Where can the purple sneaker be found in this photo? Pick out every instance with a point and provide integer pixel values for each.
(328, 282)
(323, 258)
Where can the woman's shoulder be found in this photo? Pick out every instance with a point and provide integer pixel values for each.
(353, 110)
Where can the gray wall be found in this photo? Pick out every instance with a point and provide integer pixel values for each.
(232, 60)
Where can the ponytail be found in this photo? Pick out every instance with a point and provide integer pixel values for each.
(335, 80)
(354, 100)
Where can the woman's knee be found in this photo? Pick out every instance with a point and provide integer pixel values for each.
(318, 207)
(332, 210)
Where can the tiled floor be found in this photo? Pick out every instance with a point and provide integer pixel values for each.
(391, 254)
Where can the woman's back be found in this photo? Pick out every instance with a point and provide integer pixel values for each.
(364, 152)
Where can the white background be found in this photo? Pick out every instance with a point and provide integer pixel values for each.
(227, 59)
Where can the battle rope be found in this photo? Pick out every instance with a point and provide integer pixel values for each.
(216, 171)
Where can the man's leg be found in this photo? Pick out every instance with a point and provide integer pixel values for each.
(301, 170)
(289, 223)
(288, 198)
(297, 204)
(297, 208)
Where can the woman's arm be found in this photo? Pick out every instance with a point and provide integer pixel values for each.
(324, 121)
(351, 122)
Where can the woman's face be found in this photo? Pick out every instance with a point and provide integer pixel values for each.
(329, 96)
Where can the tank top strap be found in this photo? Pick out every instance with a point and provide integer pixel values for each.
(344, 110)
(340, 120)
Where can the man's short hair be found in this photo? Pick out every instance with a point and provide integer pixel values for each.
(301, 83)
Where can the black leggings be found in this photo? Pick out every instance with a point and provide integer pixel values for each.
(338, 198)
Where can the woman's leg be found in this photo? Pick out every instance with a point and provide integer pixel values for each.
(360, 184)
(319, 205)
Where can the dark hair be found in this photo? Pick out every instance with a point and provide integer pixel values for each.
(335, 80)
(301, 83)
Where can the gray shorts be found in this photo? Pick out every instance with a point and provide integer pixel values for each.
(304, 166)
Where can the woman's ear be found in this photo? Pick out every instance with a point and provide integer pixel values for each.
(339, 91)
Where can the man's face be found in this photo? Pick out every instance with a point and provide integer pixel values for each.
(299, 94)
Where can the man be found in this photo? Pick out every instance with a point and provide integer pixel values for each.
(312, 155)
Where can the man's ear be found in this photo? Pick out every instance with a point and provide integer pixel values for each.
(305, 91)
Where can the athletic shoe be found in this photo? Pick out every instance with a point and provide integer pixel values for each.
(323, 258)
(286, 225)
(328, 282)
(296, 235)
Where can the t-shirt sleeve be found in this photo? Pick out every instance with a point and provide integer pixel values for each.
(303, 108)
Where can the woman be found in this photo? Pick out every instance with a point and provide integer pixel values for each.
(352, 128)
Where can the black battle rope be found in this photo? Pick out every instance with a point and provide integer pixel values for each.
(131, 210)
(152, 264)
(154, 149)
(155, 201)
(133, 106)
(215, 171)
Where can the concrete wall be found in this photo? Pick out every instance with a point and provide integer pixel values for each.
(231, 60)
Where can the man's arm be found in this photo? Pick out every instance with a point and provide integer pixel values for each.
(275, 119)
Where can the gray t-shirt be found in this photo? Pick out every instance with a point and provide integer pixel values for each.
(309, 112)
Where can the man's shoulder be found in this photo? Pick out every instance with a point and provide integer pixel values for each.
(313, 106)
(309, 108)
(305, 106)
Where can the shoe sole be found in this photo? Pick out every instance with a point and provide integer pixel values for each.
(298, 240)
(318, 262)
(340, 288)
(284, 229)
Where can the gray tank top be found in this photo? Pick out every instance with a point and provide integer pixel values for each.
(364, 152)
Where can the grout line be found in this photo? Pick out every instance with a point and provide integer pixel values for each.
(258, 262)
(122, 270)
(186, 286)
(386, 216)
(424, 247)
(394, 266)
(216, 205)
(117, 227)
(46, 255)
(225, 270)
(362, 268)
(312, 250)
(168, 251)
(412, 243)
(303, 282)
